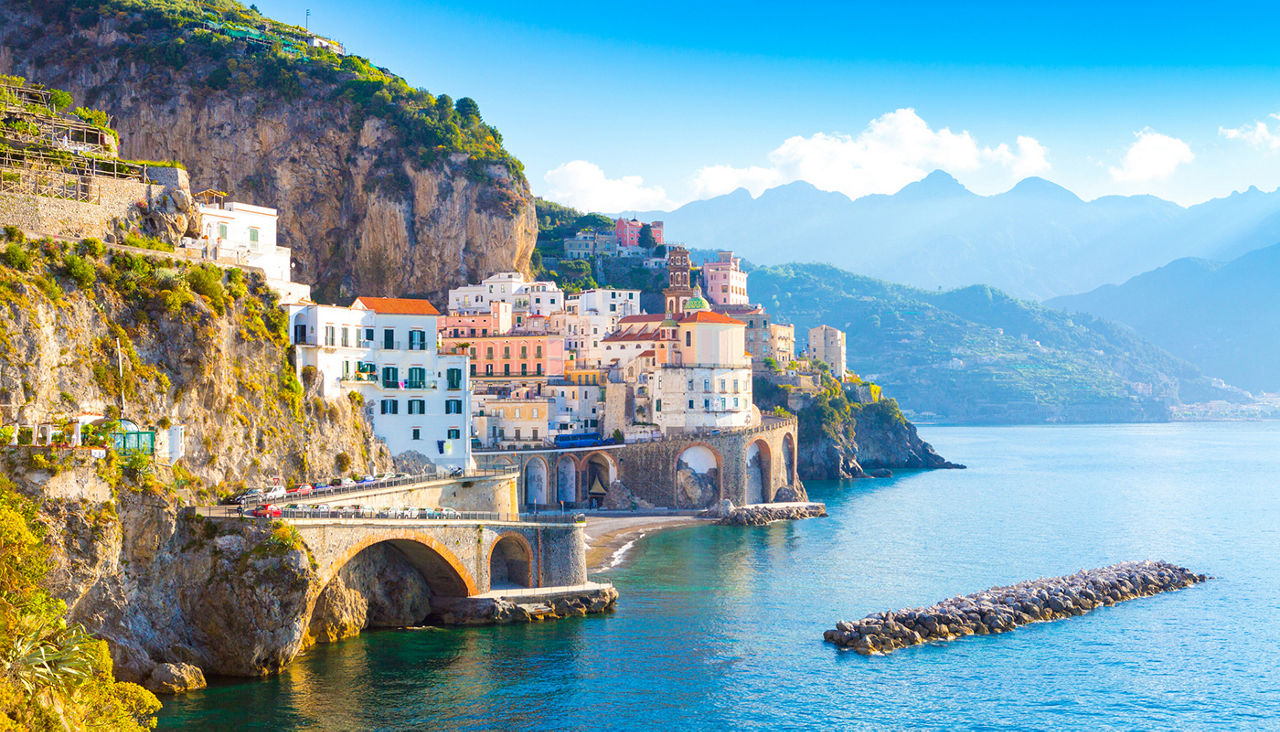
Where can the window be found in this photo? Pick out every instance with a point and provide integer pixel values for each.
(417, 379)
(524, 369)
(473, 369)
(417, 340)
(390, 377)
(524, 351)
(488, 352)
(328, 335)
(721, 404)
(706, 384)
(488, 369)
(417, 433)
(455, 433)
(417, 406)
(506, 351)
(706, 403)
(455, 378)
(688, 338)
(517, 433)
(691, 404)
(253, 235)
(453, 406)
(539, 370)
(657, 406)
(722, 385)
(345, 341)
(368, 335)
(388, 338)
(222, 231)
(506, 369)
(390, 406)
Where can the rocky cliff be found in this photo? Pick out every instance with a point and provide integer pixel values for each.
(369, 202)
(842, 438)
(166, 345)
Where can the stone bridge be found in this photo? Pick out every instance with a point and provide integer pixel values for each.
(754, 465)
(457, 558)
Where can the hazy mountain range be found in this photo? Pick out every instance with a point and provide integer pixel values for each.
(976, 354)
(1224, 318)
(1037, 240)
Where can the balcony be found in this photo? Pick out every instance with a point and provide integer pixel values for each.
(393, 346)
(416, 384)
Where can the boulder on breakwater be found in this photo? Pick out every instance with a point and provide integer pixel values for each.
(1001, 609)
(524, 607)
(759, 514)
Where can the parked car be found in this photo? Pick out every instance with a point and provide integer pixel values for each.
(252, 494)
(454, 472)
(266, 510)
(448, 512)
(277, 491)
(368, 479)
(301, 490)
(347, 482)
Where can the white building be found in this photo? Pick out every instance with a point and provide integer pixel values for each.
(619, 303)
(526, 298)
(588, 244)
(418, 399)
(240, 233)
(828, 344)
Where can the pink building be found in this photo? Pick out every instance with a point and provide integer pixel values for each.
(466, 325)
(628, 232)
(726, 283)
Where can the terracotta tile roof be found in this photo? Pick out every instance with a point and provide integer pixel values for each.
(643, 318)
(706, 316)
(397, 306)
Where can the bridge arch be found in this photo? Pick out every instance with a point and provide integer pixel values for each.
(759, 478)
(599, 470)
(789, 458)
(698, 476)
(439, 566)
(510, 562)
(567, 479)
(535, 481)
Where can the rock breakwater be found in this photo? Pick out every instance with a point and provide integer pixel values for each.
(1002, 609)
(759, 514)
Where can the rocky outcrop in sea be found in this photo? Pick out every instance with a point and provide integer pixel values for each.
(1001, 609)
(760, 514)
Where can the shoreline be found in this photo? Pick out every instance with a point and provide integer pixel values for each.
(610, 539)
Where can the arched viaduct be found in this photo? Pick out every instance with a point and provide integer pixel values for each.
(754, 465)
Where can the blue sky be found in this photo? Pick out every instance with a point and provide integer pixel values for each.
(615, 106)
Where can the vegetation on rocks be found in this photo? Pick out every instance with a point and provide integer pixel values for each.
(53, 675)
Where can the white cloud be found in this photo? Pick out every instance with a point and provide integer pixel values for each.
(1256, 134)
(1152, 157)
(583, 185)
(1030, 159)
(895, 149)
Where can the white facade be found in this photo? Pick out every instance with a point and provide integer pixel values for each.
(526, 298)
(241, 233)
(704, 397)
(619, 303)
(418, 399)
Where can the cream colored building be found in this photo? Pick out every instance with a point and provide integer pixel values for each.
(828, 344)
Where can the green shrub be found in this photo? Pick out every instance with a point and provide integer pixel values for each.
(61, 99)
(15, 255)
(14, 234)
(92, 247)
(207, 281)
(80, 270)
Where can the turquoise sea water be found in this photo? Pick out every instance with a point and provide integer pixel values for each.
(722, 627)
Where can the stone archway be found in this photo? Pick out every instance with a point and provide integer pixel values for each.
(535, 482)
(599, 470)
(387, 580)
(567, 479)
(789, 459)
(759, 467)
(510, 562)
(697, 477)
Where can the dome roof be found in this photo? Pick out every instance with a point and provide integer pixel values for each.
(697, 302)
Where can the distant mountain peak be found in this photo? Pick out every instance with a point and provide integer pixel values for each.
(937, 184)
(1041, 188)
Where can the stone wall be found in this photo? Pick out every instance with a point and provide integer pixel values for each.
(42, 215)
(495, 495)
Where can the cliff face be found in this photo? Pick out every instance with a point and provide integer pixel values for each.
(361, 209)
(886, 440)
(155, 580)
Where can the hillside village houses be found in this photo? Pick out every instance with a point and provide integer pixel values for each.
(386, 350)
(239, 233)
(827, 344)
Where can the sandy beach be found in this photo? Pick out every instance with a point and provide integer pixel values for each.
(607, 535)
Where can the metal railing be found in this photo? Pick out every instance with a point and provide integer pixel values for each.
(327, 491)
(422, 514)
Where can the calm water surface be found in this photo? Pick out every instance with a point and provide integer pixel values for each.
(722, 627)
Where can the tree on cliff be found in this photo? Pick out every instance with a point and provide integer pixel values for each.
(646, 237)
(52, 676)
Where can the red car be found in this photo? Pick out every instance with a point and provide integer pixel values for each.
(267, 511)
(300, 490)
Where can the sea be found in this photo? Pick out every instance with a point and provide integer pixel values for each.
(721, 627)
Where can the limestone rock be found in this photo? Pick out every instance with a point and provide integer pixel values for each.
(764, 513)
(175, 678)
